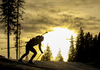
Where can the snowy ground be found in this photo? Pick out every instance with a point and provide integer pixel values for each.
(44, 65)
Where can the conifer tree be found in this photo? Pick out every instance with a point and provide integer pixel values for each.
(98, 49)
(8, 17)
(80, 46)
(59, 56)
(47, 56)
(95, 48)
(71, 55)
(19, 12)
(88, 46)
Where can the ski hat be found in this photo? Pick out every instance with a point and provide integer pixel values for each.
(41, 38)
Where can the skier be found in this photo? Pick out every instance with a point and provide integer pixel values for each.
(29, 47)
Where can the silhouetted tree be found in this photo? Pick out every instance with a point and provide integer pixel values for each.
(8, 18)
(94, 49)
(47, 56)
(71, 55)
(98, 49)
(59, 56)
(19, 12)
(88, 46)
(79, 47)
(98, 43)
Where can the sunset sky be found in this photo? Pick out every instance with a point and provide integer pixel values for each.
(44, 15)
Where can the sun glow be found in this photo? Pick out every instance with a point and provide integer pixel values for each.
(58, 38)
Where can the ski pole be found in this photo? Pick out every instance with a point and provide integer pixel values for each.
(38, 57)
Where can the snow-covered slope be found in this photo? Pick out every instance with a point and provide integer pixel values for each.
(43, 65)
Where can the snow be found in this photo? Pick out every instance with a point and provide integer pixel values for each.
(44, 65)
(65, 65)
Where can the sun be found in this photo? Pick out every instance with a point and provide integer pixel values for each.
(58, 39)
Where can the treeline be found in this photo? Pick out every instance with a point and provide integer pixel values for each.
(87, 48)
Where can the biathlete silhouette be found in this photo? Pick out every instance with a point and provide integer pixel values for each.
(30, 47)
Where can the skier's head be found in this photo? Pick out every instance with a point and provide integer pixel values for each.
(41, 38)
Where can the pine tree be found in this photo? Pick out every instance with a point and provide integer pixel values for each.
(47, 56)
(88, 47)
(94, 50)
(71, 55)
(19, 12)
(59, 56)
(8, 18)
(79, 53)
(98, 49)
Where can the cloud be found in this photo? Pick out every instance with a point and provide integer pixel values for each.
(45, 22)
(44, 15)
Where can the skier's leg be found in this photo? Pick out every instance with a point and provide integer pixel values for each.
(27, 52)
(34, 51)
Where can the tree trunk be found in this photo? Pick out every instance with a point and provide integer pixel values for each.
(8, 39)
(17, 29)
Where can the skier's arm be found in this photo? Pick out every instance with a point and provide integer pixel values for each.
(40, 48)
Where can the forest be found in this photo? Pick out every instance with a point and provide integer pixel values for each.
(86, 49)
